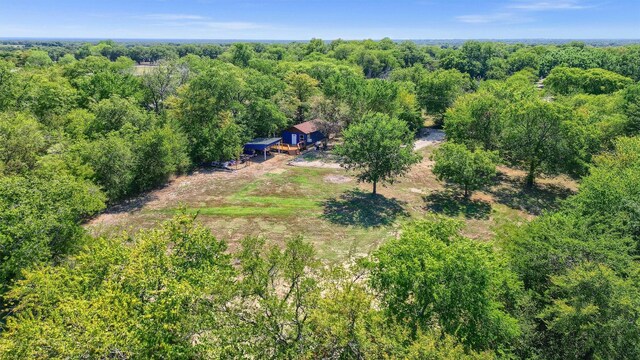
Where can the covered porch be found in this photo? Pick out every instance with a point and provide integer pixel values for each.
(262, 145)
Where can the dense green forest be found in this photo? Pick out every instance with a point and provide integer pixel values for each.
(84, 126)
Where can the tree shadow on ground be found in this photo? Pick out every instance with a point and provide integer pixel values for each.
(448, 202)
(512, 193)
(358, 208)
(133, 204)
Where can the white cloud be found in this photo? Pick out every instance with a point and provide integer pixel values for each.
(520, 11)
(198, 22)
(549, 5)
(170, 17)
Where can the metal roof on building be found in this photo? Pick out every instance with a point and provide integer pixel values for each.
(262, 143)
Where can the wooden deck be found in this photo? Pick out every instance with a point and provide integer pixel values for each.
(287, 148)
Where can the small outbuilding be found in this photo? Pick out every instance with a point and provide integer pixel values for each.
(303, 134)
(261, 145)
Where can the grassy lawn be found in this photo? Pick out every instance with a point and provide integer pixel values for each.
(296, 201)
(328, 208)
(276, 195)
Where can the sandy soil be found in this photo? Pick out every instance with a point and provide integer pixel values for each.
(316, 164)
(337, 179)
(430, 137)
(321, 159)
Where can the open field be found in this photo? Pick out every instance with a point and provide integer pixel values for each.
(142, 69)
(327, 206)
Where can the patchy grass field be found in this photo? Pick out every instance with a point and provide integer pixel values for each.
(140, 70)
(327, 206)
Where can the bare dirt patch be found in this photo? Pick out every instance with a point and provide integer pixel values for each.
(316, 164)
(316, 159)
(430, 137)
(337, 179)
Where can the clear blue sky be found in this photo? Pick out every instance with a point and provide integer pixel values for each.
(327, 19)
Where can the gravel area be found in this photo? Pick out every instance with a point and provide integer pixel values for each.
(431, 137)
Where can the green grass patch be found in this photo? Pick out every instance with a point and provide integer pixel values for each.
(301, 180)
(238, 211)
(294, 193)
(274, 201)
(245, 211)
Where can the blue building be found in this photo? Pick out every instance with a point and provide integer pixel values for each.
(302, 135)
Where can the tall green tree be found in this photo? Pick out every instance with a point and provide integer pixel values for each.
(96, 78)
(523, 58)
(278, 292)
(596, 81)
(607, 201)
(115, 113)
(113, 163)
(316, 46)
(475, 120)
(554, 243)
(22, 142)
(38, 58)
(208, 107)
(532, 136)
(631, 109)
(8, 86)
(580, 263)
(301, 87)
(39, 220)
(46, 95)
(378, 148)
(160, 153)
(439, 89)
(263, 118)
(409, 110)
(241, 54)
(471, 170)
(163, 81)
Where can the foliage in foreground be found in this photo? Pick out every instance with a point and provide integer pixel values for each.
(433, 277)
(174, 293)
(580, 265)
(30, 233)
(122, 298)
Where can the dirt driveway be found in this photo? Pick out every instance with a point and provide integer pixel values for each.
(325, 160)
(430, 137)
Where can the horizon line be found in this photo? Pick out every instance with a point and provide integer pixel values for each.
(9, 38)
